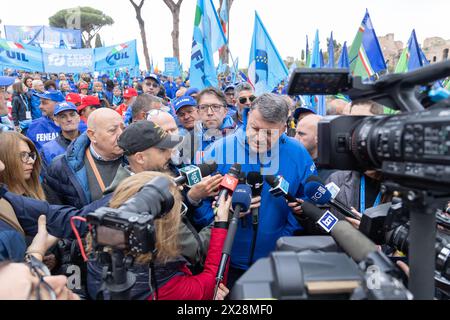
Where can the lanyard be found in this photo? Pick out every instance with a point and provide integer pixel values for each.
(362, 194)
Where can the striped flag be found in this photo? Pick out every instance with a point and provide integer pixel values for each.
(412, 56)
(365, 56)
(10, 45)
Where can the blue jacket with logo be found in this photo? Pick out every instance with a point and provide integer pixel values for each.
(275, 217)
(12, 243)
(44, 129)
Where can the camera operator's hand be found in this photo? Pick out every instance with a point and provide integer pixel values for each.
(223, 211)
(404, 267)
(42, 241)
(208, 187)
(296, 207)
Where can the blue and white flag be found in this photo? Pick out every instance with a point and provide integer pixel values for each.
(121, 55)
(208, 38)
(267, 68)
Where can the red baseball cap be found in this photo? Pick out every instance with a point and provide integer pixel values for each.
(89, 101)
(129, 93)
(84, 86)
(73, 97)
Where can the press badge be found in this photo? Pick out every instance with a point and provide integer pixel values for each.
(28, 115)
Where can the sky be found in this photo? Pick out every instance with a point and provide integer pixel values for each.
(287, 21)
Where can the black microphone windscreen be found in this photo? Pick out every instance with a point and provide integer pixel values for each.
(207, 169)
(254, 178)
(272, 181)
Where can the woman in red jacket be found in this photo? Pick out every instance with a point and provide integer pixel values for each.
(175, 280)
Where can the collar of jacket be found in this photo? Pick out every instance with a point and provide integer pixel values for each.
(122, 173)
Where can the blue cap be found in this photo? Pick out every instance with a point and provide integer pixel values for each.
(54, 95)
(302, 110)
(229, 87)
(191, 91)
(185, 101)
(64, 106)
(152, 76)
(6, 81)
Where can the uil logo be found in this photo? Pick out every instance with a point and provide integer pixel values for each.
(56, 60)
(116, 54)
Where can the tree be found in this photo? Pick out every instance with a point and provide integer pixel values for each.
(224, 54)
(88, 20)
(98, 41)
(141, 22)
(175, 9)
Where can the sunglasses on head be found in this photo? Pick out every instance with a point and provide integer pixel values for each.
(244, 100)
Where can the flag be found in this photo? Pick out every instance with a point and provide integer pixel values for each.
(316, 102)
(412, 56)
(208, 38)
(331, 52)
(266, 69)
(234, 70)
(224, 11)
(365, 56)
(307, 55)
(343, 58)
(315, 57)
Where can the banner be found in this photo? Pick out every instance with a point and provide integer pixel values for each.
(44, 36)
(27, 57)
(122, 55)
(172, 67)
(73, 61)
(18, 56)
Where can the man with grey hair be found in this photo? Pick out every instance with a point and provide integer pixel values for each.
(143, 104)
(261, 145)
(244, 95)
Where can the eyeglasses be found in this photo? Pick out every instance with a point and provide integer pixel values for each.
(152, 84)
(39, 270)
(26, 156)
(214, 107)
(244, 100)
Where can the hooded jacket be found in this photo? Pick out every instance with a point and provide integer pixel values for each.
(275, 217)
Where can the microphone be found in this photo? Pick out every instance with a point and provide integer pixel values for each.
(229, 183)
(241, 203)
(280, 188)
(191, 175)
(320, 194)
(354, 243)
(255, 181)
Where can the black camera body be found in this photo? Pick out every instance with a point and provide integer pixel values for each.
(131, 227)
(413, 147)
(123, 230)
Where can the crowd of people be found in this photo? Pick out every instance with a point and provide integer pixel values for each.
(70, 147)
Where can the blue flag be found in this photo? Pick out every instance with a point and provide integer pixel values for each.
(208, 38)
(331, 52)
(122, 55)
(317, 102)
(266, 68)
(224, 11)
(343, 58)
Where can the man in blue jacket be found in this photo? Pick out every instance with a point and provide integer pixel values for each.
(44, 129)
(67, 118)
(261, 145)
(215, 121)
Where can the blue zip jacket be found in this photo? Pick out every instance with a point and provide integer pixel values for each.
(275, 217)
(44, 129)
